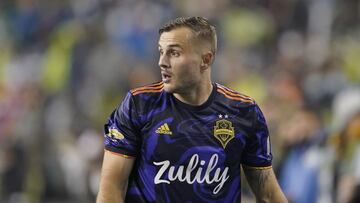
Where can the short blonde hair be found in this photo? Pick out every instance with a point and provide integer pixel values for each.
(200, 26)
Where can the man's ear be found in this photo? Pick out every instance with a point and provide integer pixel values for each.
(207, 60)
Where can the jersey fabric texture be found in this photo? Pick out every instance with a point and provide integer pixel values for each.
(187, 153)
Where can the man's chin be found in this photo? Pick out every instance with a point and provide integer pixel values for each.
(168, 88)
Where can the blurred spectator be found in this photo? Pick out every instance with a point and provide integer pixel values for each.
(302, 137)
(346, 125)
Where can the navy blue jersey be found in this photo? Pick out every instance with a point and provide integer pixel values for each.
(187, 153)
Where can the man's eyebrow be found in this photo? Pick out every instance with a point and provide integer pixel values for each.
(172, 46)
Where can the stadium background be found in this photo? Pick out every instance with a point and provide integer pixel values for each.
(65, 65)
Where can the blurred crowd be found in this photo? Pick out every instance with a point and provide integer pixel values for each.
(65, 65)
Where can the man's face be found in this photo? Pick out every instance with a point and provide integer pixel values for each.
(179, 61)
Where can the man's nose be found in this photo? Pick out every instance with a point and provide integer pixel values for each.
(164, 61)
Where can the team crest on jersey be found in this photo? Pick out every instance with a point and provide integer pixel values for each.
(224, 132)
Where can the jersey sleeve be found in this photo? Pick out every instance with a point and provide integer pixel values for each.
(121, 132)
(257, 151)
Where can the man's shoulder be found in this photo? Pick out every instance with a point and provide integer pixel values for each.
(148, 96)
(153, 89)
(233, 95)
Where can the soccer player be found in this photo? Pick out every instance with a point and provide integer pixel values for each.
(185, 138)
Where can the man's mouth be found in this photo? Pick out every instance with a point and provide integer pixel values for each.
(165, 77)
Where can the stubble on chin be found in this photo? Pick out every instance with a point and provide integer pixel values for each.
(168, 88)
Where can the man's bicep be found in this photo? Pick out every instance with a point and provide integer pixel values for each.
(258, 178)
(264, 185)
(116, 167)
(114, 177)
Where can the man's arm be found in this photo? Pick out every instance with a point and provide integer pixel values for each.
(114, 177)
(264, 185)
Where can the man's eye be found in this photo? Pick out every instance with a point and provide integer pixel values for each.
(175, 53)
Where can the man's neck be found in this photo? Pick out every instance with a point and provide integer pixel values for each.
(197, 95)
